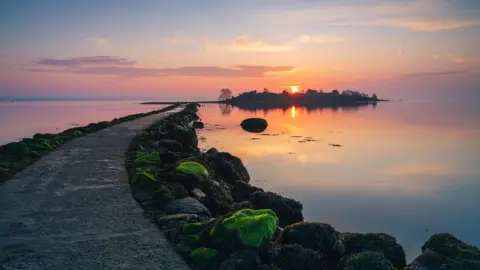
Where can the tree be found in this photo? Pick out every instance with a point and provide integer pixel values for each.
(265, 90)
(335, 92)
(312, 92)
(285, 93)
(374, 96)
(225, 94)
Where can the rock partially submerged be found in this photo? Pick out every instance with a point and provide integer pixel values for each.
(255, 125)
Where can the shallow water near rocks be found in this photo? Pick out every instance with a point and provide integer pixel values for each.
(406, 169)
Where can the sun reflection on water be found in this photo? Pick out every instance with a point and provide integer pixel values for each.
(293, 112)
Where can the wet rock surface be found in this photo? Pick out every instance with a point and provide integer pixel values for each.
(255, 125)
(288, 210)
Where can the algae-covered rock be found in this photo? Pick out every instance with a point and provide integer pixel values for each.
(174, 221)
(186, 206)
(245, 228)
(320, 237)
(144, 179)
(288, 210)
(218, 199)
(379, 242)
(192, 168)
(242, 260)
(446, 252)
(203, 257)
(296, 257)
(149, 159)
(228, 168)
(367, 260)
(242, 190)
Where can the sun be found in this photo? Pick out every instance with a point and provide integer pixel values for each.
(294, 89)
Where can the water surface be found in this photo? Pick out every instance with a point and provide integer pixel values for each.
(23, 119)
(407, 169)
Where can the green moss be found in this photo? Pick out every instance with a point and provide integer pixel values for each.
(252, 226)
(192, 168)
(152, 158)
(202, 256)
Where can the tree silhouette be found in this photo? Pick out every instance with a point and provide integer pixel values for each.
(225, 94)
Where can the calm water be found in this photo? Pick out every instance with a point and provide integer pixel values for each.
(23, 119)
(407, 169)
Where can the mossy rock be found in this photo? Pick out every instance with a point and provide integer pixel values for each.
(218, 199)
(203, 256)
(296, 257)
(367, 260)
(446, 252)
(227, 167)
(245, 228)
(242, 260)
(320, 237)
(192, 168)
(149, 159)
(288, 210)
(144, 179)
(378, 242)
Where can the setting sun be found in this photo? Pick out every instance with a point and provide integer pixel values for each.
(294, 89)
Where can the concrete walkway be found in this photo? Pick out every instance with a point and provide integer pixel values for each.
(73, 209)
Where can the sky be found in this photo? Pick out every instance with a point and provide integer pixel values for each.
(189, 50)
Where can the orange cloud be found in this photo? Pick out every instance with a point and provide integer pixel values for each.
(466, 60)
(433, 25)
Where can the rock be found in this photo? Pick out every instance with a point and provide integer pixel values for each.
(289, 211)
(183, 134)
(378, 242)
(144, 180)
(173, 221)
(15, 149)
(320, 237)
(192, 168)
(227, 167)
(198, 125)
(161, 197)
(242, 205)
(254, 125)
(189, 236)
(149, 159)
(203, 257)
(211, 151)
(241, 191)
(169, 157)
(171, 145)
(427, 260)
(446, 252)
(186, 206)
(242, 260)
(367, 260)
(179, 191)
(296, 257)
(197, 193)
(245, 228)
(218, 199)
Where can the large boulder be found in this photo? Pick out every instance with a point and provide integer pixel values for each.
(246, 228)
(227, 167)
(254, 124)
(186, 206)
(183, 134)
(288, 210)
(320, 237)
(296, 257)
(191, 174)
(446, 252)
(367, 260)
(378, 242)
(171, 145)
(242, 190)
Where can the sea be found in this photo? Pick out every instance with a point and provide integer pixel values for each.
(409, 169)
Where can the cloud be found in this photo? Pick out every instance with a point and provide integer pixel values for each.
(466, 60)
(430, 25)
(178, 39)
(244, 43)
(439, 73)
(85, 61)
(120, 67)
